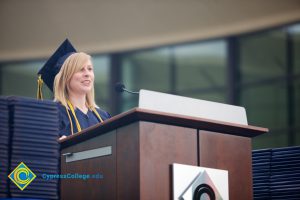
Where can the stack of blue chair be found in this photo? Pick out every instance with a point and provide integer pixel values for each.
(285, 173)
(4, 147)
(34, 131)
(261, 160)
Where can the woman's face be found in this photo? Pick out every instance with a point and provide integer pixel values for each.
(82, 81)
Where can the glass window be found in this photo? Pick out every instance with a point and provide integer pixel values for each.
(273, 139)
(20, 79)
(102, 73)
(145, 70)
(263, 68)
(201, 70)
(295, 32)
(262, 56)
(201, 65)
(197, 71)
(148, 70)
(266, 106)
(297, 110)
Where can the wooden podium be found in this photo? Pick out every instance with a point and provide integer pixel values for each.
(144, 144)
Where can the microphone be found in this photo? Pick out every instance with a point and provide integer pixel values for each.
(120, 87)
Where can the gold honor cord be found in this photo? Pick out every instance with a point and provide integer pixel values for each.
(73, 112)
(76, 120)
(40, 81)
(72, 131)
(97, 114)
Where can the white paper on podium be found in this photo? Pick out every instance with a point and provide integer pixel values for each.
(175, 104)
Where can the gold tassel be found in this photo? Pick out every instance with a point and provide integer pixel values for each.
(39, 94)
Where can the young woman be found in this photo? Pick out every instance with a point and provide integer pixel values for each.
(74, 90)
(70, 75)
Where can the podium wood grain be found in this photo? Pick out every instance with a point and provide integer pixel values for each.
(144, 146)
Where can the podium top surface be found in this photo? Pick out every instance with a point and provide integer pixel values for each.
(139, 114)
(170, 103)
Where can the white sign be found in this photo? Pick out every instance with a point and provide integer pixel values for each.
(193, 182)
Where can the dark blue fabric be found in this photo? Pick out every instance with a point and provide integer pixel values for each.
(55, 62)
(85, 120)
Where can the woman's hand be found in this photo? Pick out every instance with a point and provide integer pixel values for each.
(62, 137)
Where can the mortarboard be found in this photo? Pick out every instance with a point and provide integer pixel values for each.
(48, 72)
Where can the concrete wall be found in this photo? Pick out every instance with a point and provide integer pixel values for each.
(34, 28)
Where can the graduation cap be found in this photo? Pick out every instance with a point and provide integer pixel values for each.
(48, 72)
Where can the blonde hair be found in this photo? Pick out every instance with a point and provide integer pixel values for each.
(62, 80)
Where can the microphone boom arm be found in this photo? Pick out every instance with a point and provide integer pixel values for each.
(131, 92)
